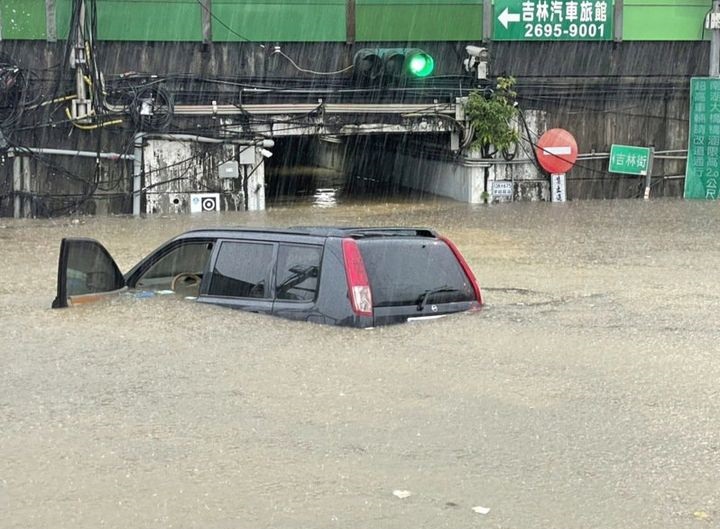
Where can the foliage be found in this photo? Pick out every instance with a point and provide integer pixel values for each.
(491, 114)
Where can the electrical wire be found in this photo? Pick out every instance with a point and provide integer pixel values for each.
(223, 24)
(151, 108)
(306, 70)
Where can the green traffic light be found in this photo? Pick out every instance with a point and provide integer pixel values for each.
(390, 65)
(420, 64)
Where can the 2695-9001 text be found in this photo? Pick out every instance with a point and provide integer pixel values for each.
(557, 30)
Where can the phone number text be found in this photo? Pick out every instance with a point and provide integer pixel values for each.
(583, 31)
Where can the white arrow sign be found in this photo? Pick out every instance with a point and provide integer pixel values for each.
(506, 16)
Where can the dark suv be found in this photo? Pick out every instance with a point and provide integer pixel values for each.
(359, 277)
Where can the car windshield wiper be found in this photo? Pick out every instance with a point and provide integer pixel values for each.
(299, 274)
(422, 300)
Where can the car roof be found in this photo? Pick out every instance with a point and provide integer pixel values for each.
(317, 231)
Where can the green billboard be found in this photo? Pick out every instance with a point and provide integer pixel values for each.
(534, 20)
(702, 173)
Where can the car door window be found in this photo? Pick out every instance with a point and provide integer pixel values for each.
(242, 270)
(86, 272)
(90, 269)
(297, 273)
(184, 262)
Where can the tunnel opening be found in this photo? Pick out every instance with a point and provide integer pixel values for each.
(371, 167)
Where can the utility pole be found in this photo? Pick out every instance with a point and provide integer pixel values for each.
(81, 104)
(713, 23)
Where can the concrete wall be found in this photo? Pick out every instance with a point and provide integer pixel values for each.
(457, 180)
(174, 170)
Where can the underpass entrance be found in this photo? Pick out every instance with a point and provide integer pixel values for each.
(336, 169)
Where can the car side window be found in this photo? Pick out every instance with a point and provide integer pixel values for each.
(298, 268)
(90, 269)
(187, 259)
(242, 270)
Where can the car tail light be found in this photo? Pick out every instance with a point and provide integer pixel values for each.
(358, 284)
(465, 267)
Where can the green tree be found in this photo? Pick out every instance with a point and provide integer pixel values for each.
(491, 114)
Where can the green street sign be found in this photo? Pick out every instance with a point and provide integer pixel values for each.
(552, 20)
(625, 159)
(702, 173)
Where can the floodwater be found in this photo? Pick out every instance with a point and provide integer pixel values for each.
(585, 395)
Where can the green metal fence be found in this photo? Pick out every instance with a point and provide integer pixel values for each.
(320, 20)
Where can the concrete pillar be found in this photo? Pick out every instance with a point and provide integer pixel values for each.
(17, 186)
(462, 180)
(256, 184)
(328, 155)
(22, 187)
(138, 173)
(27, 188)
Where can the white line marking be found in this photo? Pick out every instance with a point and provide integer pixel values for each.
(556, 150)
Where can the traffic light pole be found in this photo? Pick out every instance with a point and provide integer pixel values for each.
(714, 25)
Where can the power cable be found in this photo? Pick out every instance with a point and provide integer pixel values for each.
(223, 24)
(306, 70)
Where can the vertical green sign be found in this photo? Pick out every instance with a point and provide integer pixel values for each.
(702, 174)
(553, 20)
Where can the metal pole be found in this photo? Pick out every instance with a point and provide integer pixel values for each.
(618, 20)
(715, 39)
(70, 152)
(206, 8)
(487, 20)
(50, 21)
(17, 186)
(350, 22)
(138, 172)
(648, 176)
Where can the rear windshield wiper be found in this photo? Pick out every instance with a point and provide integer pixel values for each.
(422, 300)
(299, 274)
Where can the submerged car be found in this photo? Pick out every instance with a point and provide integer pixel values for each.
(359, 277)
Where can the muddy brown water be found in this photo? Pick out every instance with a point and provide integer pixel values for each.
(585, 395)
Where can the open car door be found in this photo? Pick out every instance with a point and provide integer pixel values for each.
(86, 273)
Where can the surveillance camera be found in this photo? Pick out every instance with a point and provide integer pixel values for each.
(477, 51)
(266, 153)
(477, 61)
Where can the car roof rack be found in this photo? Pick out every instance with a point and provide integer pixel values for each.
(330, 231)
(365, 231)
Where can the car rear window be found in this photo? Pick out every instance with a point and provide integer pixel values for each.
(413, 271)
(297, 272)
(241, 270)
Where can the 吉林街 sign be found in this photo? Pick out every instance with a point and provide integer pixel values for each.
(553, 20)
(627, 159)
(702, 173)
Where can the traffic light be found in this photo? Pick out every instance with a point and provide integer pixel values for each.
(392, 64)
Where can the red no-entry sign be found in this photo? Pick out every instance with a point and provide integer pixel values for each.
(557, 151)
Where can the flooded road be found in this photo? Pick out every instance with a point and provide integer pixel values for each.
(584, 396)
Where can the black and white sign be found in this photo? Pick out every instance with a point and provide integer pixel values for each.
(502, 189)
(200, 202)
